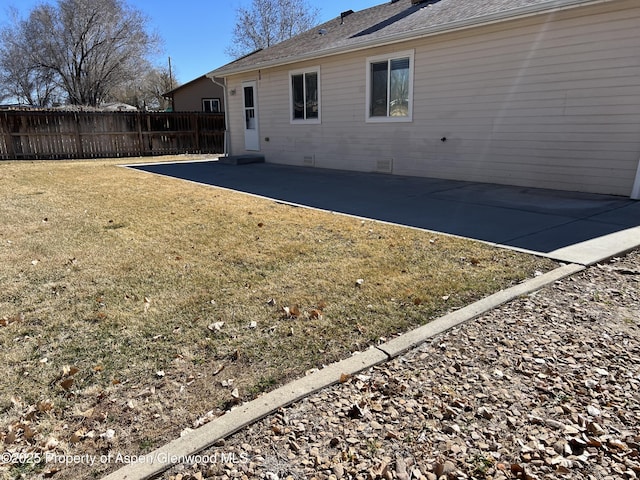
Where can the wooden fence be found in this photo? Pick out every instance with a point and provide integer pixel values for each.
(27, 135)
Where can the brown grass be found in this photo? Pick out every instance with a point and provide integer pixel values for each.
(124, 275)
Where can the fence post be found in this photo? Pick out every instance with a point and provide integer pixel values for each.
(8, 138)
(196, 129)
(140, 138)
(78, 136)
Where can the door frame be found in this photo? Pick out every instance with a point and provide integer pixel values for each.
(251, 135)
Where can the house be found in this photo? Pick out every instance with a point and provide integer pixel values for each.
(199, 95)
(117, 107)
(534, 93)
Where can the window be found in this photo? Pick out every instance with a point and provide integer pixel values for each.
(390, 88)
(211, 105)
(305, 96)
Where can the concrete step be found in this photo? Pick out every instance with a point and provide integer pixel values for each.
(242, 159)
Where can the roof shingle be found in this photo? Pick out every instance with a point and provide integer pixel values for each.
(385, 23)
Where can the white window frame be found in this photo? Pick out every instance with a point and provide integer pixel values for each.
(212, 100)
(306, 121)
(410, 54)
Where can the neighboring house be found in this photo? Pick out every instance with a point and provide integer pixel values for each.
(199, 95)
(117, 107)
(537, 93)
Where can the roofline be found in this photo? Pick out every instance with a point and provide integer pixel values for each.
(522, 12)
(171, 92)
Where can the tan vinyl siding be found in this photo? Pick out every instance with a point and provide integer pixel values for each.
(188, 98)
(548, 101)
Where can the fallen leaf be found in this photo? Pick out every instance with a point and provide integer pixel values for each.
(345, 377)
(10, 437)
(28, 432)
(51, 443)
(291, 312)
(67, 383)
(216, 326)
(6, 321)
(45, 405)
(315, 314)
(78, 435)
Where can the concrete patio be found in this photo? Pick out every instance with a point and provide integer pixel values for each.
(552, 223)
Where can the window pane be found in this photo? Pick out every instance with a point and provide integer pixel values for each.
(378, 100)
(311, 101)
(399, 88)
(248, 97)
(250, 119)
(297, 89)
(207, 105)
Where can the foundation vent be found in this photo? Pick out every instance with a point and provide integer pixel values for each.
(384, 166)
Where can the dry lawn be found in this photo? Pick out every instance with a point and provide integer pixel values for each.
(132, 305)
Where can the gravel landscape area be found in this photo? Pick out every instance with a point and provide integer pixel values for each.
(546, 386)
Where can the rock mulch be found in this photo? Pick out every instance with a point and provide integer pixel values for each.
(546, 386)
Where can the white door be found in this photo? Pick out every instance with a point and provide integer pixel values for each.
(250, 106)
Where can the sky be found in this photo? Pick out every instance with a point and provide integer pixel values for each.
(195, 33)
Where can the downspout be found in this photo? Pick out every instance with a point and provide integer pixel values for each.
(226, 151)
(635, 191)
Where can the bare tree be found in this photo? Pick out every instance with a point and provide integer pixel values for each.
(146, 92)
(20, 79)
(268, 22)
(87, 48)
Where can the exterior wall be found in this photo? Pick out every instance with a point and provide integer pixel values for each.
(549, 101)
(188, 98)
